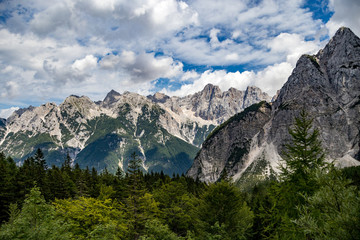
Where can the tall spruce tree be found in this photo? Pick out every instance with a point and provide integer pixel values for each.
(304, 155)
(136, 191)
(303, 158)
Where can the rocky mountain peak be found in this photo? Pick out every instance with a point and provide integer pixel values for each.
(326, 85)
(210, 91)
(343, 49)
(76, 99)
(111, 97)
(344, 44)
(158, 97)
(21, 111)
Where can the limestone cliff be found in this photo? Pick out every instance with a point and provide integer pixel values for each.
(327, 85)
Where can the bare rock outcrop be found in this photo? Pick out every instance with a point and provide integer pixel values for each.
(327, 85)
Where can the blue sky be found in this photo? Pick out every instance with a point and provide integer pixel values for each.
(52, 49)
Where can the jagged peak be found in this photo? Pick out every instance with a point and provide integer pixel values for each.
(344, 32)
(232, 89)
(344, 44)
(20, 111)
(342, 35)
(252, 88)
(158, 97)
(112, 96)
(211, 87)
(210, 91)
(74, 98)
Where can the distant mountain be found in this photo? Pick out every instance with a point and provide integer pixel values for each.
(327, 85)
(165, 131)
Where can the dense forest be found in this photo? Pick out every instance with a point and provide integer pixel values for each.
(309, 199)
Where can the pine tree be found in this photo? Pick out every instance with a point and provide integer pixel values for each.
(136, 191)
(40, 160)
(304, 155)
(7, 185)
(224, 213)
(66, 166)
(40, 172)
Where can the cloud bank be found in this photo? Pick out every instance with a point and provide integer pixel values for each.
(88, 47)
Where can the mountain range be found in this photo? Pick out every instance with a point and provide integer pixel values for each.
(166, 132)
(326, 85)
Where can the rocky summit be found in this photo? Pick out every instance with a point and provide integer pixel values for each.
(164, 131)
(327, 85)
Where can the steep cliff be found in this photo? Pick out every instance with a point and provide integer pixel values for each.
(327, 85)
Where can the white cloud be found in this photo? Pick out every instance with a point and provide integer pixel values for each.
(346, 13)
(144, 67)
(5, 113)
(269, 80)
(85, 64)
(190, 75)
(88, 47)
(292, 46)
(52, 18)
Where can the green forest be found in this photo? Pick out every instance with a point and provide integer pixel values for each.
(309, 199)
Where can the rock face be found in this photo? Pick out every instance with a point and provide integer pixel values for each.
(327, 85)
(211, 104)
(165, 131)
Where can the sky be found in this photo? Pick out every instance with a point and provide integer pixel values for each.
(52, 49)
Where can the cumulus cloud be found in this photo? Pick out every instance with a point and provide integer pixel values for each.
(88, 47)
(245, 28)
(85, 64)
(143, 67)
(346, 13)
(52, 18)
(5, 113)
(292, 46)
(269, 80)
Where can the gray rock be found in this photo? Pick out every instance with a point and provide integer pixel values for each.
(326, 85)
(140, 122)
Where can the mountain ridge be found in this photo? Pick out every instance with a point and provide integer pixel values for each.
(327, 85)
(163, 130)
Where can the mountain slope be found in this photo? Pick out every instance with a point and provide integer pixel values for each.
(327, 85)
(164, 131)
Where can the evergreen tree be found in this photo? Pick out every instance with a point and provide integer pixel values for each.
(66, 166)
(304, 155)
(40, 160)
(25, 178)
(333, 212)
(224, 213)
(177, 206)
(135, 193)
(36, 220)
(8, 172)
(119, 185)
(40, 172)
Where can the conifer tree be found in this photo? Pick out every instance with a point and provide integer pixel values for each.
(304, 155)
(7, 184)
(136, 191)
(66, 166)
(333, 211)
